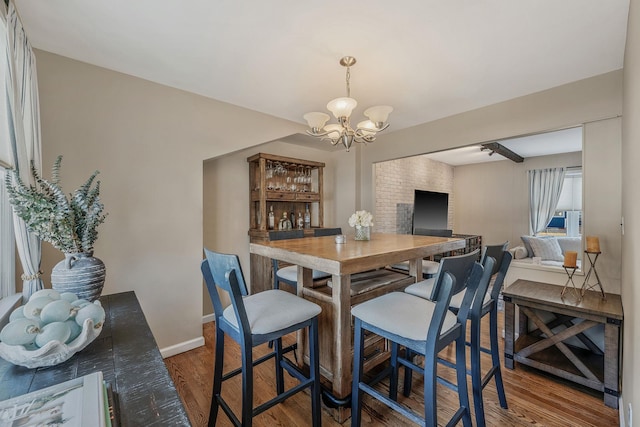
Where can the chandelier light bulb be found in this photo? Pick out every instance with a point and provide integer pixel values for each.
(378, 114)
(333, 131)
(316, 120)
(342, 107)
(367, 127)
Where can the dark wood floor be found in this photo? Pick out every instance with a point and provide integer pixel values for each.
(534, 399)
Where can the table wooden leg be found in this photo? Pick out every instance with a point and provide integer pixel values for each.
(341, 296)
(611, 374)
(415, 268)
(509, 332)
(523, 323)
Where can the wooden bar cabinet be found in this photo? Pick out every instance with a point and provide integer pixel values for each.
(284, 184)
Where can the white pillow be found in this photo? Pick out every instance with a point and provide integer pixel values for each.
(570, 244)
(519, 252)
(547, 249)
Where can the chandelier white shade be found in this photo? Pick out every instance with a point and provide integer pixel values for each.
(341, 108)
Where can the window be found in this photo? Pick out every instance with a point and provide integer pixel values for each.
(568, 218)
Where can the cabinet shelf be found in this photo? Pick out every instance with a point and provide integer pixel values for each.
(276, 196)
(284, 184)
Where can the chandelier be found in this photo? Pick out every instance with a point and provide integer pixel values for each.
(342, 132)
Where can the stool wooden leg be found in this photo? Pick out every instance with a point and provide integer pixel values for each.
(408, 374)
(393, 378)
(247, 384)
(314, 372)
(476, 374)
(495, 356)
(356, 394)
(430, 390)
(461, 373)
(278, 366)
(217, 377)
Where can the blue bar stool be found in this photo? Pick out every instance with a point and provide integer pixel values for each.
(252, 320)
(423, 327)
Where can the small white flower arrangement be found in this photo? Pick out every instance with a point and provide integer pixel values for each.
(361, 219)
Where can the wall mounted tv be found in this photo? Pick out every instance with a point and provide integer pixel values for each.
(430, 210)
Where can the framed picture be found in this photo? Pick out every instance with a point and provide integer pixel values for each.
(78, 402)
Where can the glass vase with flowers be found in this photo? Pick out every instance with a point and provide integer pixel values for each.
(362, 221)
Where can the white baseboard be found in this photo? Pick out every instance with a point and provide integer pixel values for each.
(621, 412)
(181, 347)
(187, 345)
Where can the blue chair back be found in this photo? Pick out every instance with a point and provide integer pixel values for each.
(497, 252)
(327, 231)
(285, 235)
(223, 271)
(477, 288)
(445, 283)
(459, 267)
(502, 273)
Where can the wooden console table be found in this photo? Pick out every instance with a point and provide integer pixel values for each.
(127, 354)
(590, 367)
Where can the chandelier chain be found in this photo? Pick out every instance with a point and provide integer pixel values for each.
(348, 83)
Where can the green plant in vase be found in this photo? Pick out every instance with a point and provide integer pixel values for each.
(69, 223)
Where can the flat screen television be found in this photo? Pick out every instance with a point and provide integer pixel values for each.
(430, 210)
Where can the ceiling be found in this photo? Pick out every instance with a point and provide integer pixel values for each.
(542, 144)
(427, 58)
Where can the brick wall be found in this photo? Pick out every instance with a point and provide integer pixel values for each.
(395, 182)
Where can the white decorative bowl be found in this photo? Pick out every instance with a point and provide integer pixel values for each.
(53, 352)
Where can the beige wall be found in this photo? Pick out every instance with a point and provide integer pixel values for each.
(226, 196)
(631, 214)
(149, 142)
(602, 183)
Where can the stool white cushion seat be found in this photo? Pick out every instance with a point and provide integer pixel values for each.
(423, 289)
(428, 267)
(273, 310)
(291, 273)
(402, 314)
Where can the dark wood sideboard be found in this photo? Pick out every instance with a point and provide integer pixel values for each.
(130, 361)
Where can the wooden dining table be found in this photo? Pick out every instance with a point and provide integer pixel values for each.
(343, 261)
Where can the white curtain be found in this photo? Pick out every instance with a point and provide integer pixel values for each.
(545, 186)
(7, 243)
(23, 108)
